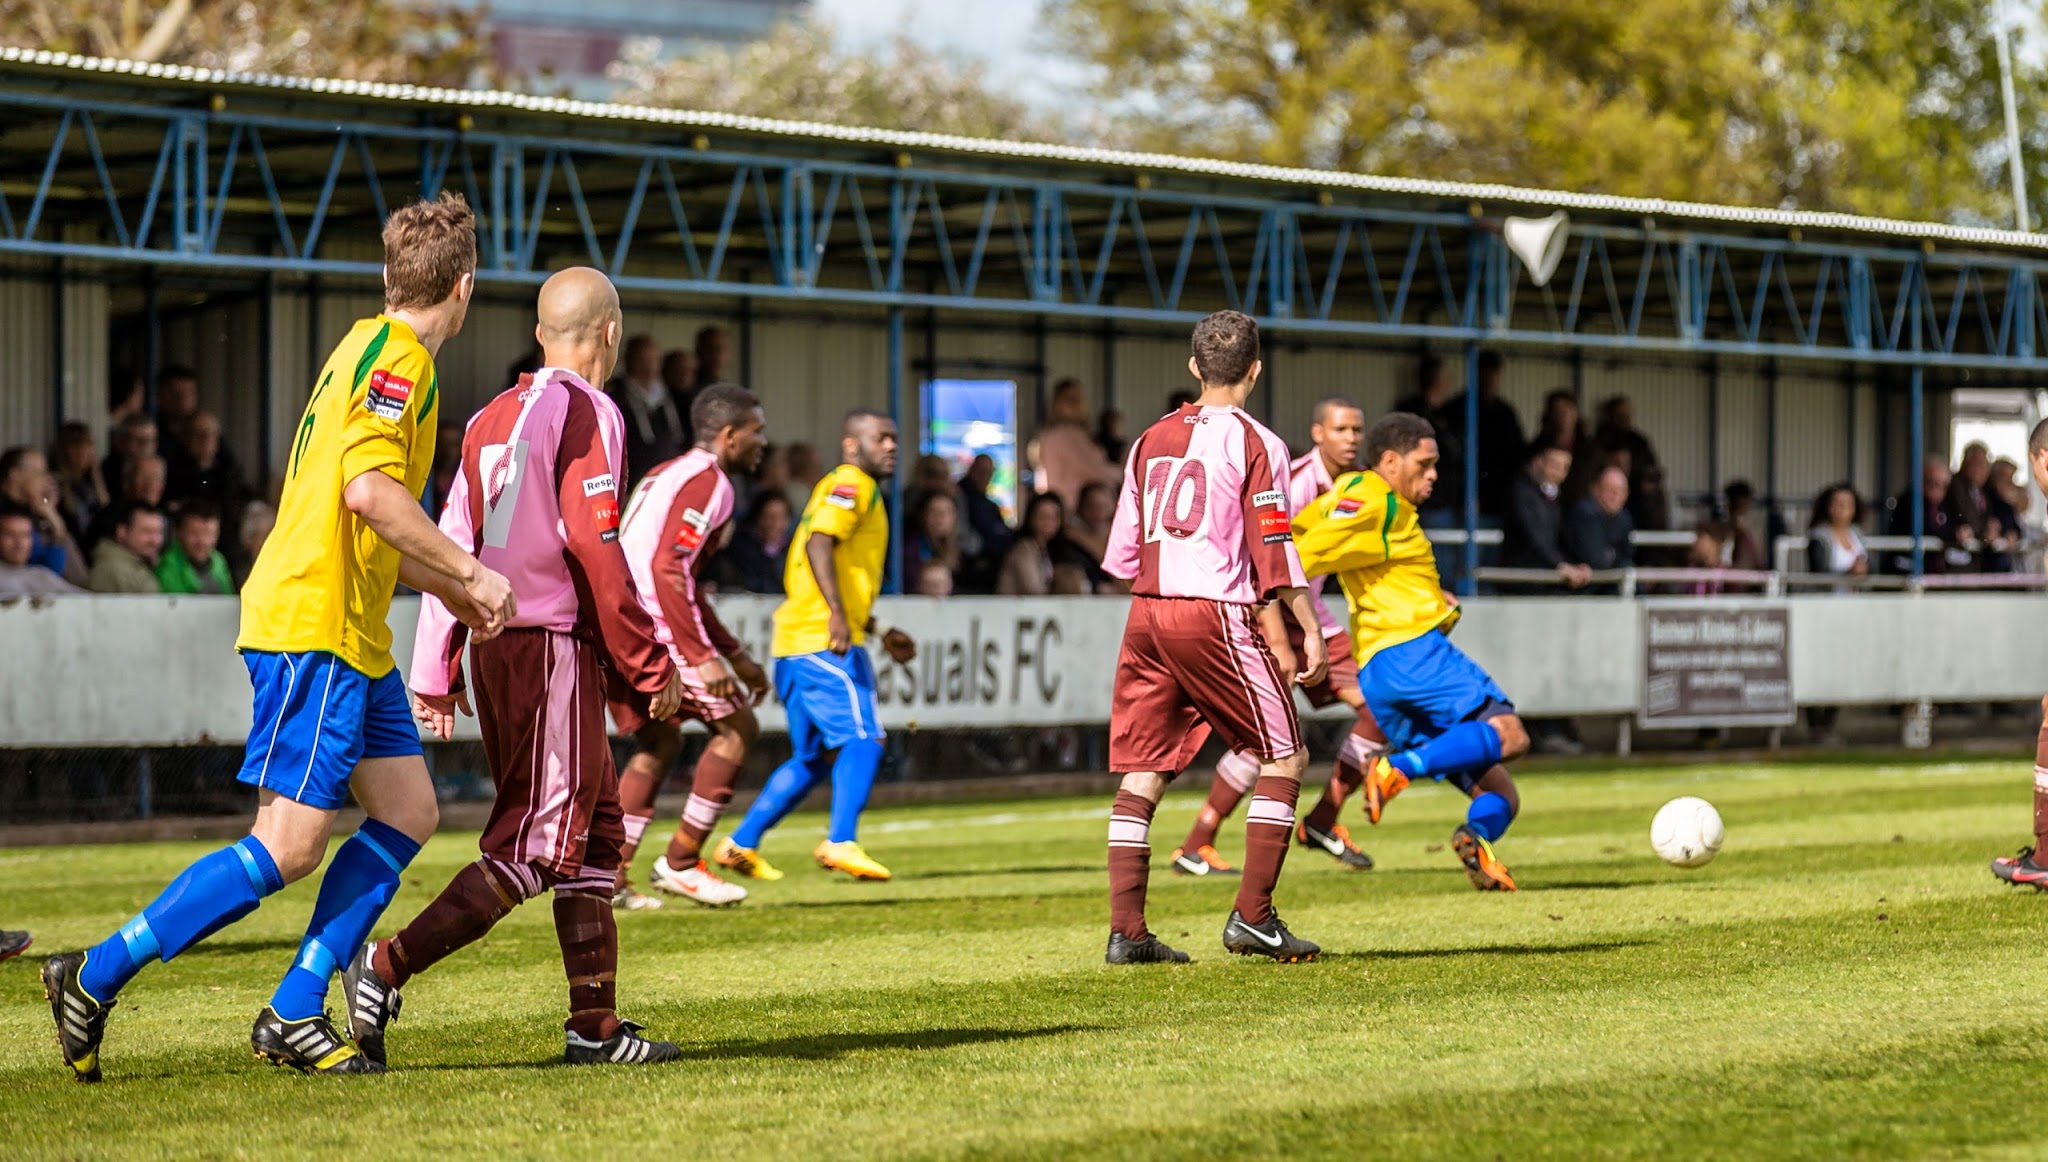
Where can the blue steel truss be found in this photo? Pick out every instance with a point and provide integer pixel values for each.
(126, 181)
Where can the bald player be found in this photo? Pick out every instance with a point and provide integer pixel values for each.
(538, 498)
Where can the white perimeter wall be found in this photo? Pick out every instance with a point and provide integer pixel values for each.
(130, 671)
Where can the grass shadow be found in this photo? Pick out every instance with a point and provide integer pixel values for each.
(824, 1046)
(1490, 950)
(813, 1047)
(1043, 869)
(240, 947)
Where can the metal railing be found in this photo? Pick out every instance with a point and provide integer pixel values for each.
(1652, 582)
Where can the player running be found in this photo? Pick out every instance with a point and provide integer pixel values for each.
(1202, 533)
(1444, 718)
(2026, 867)
(823, 676)
(678, 517)
(330, 713)
(1336, 427)
(538, 498)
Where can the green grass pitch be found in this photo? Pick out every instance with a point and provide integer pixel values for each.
(1847, 980)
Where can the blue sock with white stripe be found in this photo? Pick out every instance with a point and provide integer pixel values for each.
(853, 776)
(1468, 746)
(785, 789)
(357, 888)
(213, 893)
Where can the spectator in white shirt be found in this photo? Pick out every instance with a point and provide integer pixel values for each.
(18, 578)
(1833, 544)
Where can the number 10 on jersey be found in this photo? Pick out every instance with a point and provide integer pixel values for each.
(1176, 497)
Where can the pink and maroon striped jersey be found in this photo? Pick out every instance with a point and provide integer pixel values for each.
(1307, 480)
(1202, 512)
(680, 515)
(538, 500)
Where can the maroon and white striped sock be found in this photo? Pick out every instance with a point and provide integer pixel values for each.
(1130, 862)
(1353, 758)
(1235, 774)
(710, 790)
(1268, 829)
(590, 956)
(479, 896)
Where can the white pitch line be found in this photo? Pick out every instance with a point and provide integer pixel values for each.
(1002, 819)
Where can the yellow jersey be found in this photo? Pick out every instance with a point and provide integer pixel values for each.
(324, 580)
(1362, 533)
(846, 506)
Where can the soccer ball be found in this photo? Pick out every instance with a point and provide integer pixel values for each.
(1687, 832)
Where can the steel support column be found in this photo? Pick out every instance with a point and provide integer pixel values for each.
(1917, 488)
(57, 344)
(894, 578)
(1467, 583)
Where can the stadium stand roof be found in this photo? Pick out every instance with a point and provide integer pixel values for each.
(121, 162)
(58, 65)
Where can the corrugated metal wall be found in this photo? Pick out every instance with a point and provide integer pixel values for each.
(811, 366)
(27, 404)
(29, 408)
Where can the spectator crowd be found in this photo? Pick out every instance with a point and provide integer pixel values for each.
(168, 509)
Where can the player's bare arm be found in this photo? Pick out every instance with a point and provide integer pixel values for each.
(1315, 656)
(822, 552)
(751, 674)
(474, 617)
(393, 514)
(1275, 629)
(437, 712)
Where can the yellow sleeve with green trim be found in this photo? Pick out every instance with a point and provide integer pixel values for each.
(394, 386)
(1349, 527)
(842, 499)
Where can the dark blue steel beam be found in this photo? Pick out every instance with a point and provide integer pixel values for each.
(674, 218)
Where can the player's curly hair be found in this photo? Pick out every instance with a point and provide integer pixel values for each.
(1396, 432)
(1226, 344)
(718, 407)
(428, 247)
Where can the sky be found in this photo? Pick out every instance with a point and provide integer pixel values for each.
(1004, 33)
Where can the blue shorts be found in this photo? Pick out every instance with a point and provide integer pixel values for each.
(830, 699)
(1421, 688)
(316, 717)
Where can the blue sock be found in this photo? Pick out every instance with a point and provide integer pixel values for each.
(1464, 747)
(213, 893)
(786, 788)
(358, 886)
(1489, 816)
(853, 776)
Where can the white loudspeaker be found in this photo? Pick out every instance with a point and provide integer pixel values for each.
(1538, 242)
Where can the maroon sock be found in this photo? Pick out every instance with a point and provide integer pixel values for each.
(1347, 776)
(1234, 775)
(473, 901)
(710, 791)
(639, 783)
(1130, 862)
(1268, 826)
(590, 955)
(2041, 793)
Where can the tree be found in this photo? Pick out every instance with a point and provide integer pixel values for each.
(797, 72)
(432, 43)
(1874, 107)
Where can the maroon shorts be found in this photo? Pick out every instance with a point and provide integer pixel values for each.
(1188, 666)
(1343, 673)
(540, 704)
(629, 707)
